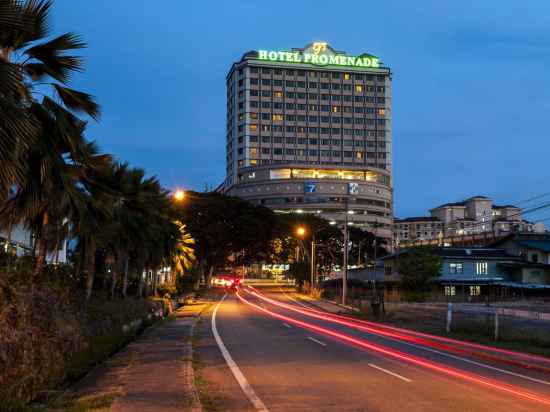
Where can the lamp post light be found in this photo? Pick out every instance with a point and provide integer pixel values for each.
(178, 195)
(301, 231)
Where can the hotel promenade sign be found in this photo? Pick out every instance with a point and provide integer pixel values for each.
(320, 54)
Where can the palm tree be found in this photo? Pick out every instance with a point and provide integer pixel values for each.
(183, 252)
(28, 63)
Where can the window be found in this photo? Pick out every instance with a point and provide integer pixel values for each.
(266, 150)
(335, 109)
(358, 88)
(381, 112)
(253, 127)
(475, 290)
(253, 70)
(312, 85)
(277, 117)
(482, 268)
(277, 151)
(266, 82)
(253, 151)
(277, 83)
(347, 76)
(456, 268)
(253, 81)
(290, 83)
(335, 75)
(277, 94)
(450, 290)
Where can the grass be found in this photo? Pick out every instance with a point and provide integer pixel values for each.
(202, 386)
(514, 334)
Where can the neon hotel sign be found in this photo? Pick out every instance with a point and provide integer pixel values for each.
(319, 54)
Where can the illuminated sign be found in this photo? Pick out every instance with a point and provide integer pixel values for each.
(353, 188)
(310, 187)
(320, 54)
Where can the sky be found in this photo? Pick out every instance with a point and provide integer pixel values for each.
(471, 85)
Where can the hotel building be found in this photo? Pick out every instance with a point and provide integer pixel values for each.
(309, 131)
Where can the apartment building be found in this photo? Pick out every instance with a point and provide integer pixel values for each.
(475, 215)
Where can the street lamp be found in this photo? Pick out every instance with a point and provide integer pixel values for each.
(301, 231)
(178, 195)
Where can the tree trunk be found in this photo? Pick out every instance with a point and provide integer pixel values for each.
(140, 269)
(125, 279)
(114, 277)
(90, 267)
(209, 277)
(42, 246)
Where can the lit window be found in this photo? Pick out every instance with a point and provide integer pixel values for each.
(277, 94)
(278, 117)
(253, 115)
(475, 290)
(253, 127)
(450, 290)
(335, 109)
(347, 76)
(253, 162)
(358, 88)
(253, 151)
(359, 155)
(456, 268)
(482, 268)
(381, 112)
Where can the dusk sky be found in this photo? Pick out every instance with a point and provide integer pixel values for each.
(471, 85)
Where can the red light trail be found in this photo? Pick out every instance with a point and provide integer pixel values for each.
(400, 355)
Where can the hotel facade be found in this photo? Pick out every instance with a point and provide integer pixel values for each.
(309, 131)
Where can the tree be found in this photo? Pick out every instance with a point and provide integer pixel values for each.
(417, 268)
(41, 138)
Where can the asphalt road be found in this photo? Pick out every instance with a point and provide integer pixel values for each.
(292, 359)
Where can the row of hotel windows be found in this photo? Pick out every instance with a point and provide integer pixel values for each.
(314, 108)
(323, 199)
(241, 163)
(310, 141)
(315, 96)
(328, 174)
(482, 268)
(253, 152)
(293, 118)
(335, 132)
(358, 88)
(321, 74)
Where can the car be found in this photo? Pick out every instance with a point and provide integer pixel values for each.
(226, 281)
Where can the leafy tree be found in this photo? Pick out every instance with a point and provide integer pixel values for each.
(417, 268)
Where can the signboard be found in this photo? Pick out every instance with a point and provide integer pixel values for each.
(310, 187)
(320, 54)
(353, 188)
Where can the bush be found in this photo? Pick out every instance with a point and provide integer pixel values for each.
(48, 334)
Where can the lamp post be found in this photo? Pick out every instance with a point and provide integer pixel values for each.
(345, 268)
(301, 231)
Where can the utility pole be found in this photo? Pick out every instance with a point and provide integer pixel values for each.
(345, 268)
(313, 261)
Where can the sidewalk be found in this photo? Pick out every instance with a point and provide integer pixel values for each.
(152, 374)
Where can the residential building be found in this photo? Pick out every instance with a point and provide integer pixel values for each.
(473, 216)
(22, 242)
(309, 131)
(480, 272)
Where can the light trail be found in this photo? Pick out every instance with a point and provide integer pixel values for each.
(407, 335)
(402, 356)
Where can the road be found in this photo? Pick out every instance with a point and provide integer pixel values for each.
(284, 356)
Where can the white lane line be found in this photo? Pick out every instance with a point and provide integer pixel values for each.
(243, 382)
(317, 341)
(287, 325)
(390, 373)
(483, 365)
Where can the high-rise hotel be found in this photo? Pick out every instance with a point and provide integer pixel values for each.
(309, 131)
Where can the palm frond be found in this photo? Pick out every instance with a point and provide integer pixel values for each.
(78, 101)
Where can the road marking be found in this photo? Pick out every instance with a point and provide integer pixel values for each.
(317, 341)
(483, 365)
(390, 373)
(243, 382)
(293, 299)
(287, 325)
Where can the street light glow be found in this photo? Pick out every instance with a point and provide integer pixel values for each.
(301, 231)
(178, 195)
